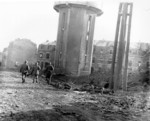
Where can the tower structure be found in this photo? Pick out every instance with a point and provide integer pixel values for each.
(121, 47)
(74, 47)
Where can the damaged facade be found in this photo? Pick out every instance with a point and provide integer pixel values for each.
(46, 53)
(4, 57)
(0, 58)
(102, 54)
(138, 56)
(18, 51)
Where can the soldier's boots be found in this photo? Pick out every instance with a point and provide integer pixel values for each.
(23, 80)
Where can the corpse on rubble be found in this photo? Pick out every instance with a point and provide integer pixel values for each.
(60, 81)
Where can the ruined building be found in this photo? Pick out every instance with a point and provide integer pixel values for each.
(0, 58)
(4, 57)
(46, 53)
(102, 55)
(74, 46)
(139, 55)
(18, 51)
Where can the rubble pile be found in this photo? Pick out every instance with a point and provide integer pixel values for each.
(97, 82)
(97, 78)
(60, 81)
(138, 82)
(82, 102)
(74, 112)
(104, 107)
(132, 77)
(93, 83)
(102, 103)
(121, 105)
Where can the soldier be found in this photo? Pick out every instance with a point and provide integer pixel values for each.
(36, 72)
(49, 71)
(24, 70)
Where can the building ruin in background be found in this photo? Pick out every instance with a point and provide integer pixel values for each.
(18, 51)
(139, 56)
(74, 46)
(46, 53)
(4, 57)
(0, 58)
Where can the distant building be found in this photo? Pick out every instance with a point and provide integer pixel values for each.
(4, 57)
(102, 54)
(103, 51)
(140, 56)
(0, 58)
(46, 53)
(20, 50)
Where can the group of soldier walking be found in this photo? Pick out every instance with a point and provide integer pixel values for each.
(35, 71)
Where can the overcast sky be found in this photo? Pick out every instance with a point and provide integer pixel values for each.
(38, 21)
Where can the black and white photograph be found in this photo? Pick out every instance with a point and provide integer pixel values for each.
(74, 60)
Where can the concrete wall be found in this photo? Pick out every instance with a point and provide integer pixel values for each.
(75, 34)
(74, 49)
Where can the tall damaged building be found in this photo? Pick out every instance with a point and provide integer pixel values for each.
(20, 50)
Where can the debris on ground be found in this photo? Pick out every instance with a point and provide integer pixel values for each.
(83, 101)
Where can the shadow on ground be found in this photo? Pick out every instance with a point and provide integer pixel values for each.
(74, 112)
(67, 113)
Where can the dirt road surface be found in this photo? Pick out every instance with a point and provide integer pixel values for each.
(42, 102)
(32, 101)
